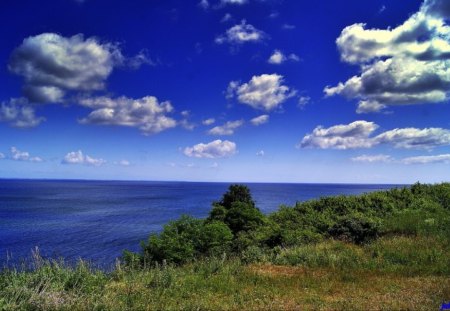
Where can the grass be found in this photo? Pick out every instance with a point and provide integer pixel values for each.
(391, 273)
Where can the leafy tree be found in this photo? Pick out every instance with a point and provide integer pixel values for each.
(236, 193)
(237, 210)
(243, 217)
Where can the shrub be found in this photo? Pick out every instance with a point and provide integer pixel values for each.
(356, 228)
(184, 240)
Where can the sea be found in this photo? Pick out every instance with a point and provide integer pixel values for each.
(97, 220)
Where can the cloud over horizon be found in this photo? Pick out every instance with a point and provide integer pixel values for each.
(211, 150)
(77, 157)
(147, 113)
(358, 134)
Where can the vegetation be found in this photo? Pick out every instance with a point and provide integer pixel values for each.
(381, 250)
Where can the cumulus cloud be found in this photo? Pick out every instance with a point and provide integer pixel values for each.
(373, 158)
(145, 113)
(226, 129)
(264, 92)
(343, 136)
(214, 149)
(358, 134)
(260, 120)
(278, 58)
(408, 64)
(18, 112)
(409, 138)
(209, 121)
(241, 33)
(18, 155)
(442, 158)
(77, 157)
(260, 153)
(52, 64)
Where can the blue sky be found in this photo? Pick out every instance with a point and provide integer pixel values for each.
(225, 90)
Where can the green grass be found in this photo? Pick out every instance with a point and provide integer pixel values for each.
(396, 272)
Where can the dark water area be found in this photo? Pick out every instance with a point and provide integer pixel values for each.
(97, 220)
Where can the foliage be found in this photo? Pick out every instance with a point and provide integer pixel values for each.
(182, 241)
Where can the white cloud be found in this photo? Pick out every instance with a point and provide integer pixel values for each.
(264, 92)
(260, 153)
(77, 157)
(209, 121)
(18, 155)
(241, 33)
(278, 58)
(18, 112)
(303, 101)
(260, 120)
(358, 134)
(214, 149)
(52, 64)
(442, 158)
(408, 64)
(226, 129)
(145, 113)
(185, 123)
(410, 138)
(373, 158)
(343, 136)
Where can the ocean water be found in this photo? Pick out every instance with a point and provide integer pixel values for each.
(97, 220)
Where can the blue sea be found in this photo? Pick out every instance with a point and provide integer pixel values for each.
(97, 220)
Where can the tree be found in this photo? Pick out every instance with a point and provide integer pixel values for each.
(237, 210)
(236, 193)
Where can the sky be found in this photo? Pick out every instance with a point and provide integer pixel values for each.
(226, 90)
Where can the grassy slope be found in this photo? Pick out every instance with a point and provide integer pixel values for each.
(416, 278)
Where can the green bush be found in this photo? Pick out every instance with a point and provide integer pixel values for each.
(355, 228)
(184, 240)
